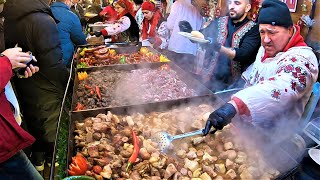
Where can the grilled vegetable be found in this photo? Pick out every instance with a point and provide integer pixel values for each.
(78, 166)
(136, 149)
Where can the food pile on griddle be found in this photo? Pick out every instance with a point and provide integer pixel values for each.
(119, 147)
(109, 88)
(102, 56)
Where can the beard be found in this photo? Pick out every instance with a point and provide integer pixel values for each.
(236, 16)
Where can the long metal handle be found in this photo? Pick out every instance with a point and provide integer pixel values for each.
(228, 90)
(193, 133)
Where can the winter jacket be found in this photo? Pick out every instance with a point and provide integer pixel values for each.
(70, 30)
(31, 25)
(12, 137)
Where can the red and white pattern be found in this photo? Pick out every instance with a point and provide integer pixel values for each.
(285, 80)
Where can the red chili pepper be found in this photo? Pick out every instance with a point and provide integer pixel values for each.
(92, 92)
(79, 107)
(136, 150)
(87, 86)
(98, 92)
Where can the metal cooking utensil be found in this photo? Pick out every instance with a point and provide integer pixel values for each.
(164, 139)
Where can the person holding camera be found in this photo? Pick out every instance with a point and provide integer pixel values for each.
(14, 164)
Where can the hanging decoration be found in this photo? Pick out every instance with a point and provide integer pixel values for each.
(255, 7)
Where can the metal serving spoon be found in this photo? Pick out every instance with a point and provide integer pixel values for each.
(163, 139)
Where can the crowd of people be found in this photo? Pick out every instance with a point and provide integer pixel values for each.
(267, 57)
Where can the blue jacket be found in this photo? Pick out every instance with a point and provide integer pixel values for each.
(70, 30)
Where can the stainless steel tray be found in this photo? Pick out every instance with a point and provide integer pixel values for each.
(200, 89)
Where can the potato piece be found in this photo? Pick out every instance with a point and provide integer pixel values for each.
(170, 170)
(191, 165)
(220, 168)
(181, 153)
(130, 121)
(196, 173)
(208, 159)
(192, 155)
(231, 174)
(229, 164)
(198, 140)
(205, 176)
(209, 170)
(106, 172)
(144, 154)
(184, 171)
(219, 178)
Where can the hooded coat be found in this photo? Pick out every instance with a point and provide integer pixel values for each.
(30, 24)
(70, 30)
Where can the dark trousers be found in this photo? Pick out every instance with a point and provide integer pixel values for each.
(18, 167)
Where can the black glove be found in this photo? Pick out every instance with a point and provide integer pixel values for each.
(97, 33)
(220, 117)
(185, 26)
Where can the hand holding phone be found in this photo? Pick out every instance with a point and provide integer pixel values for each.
(30, 69)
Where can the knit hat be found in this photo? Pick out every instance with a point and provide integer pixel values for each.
(148, 6)
(276, 13)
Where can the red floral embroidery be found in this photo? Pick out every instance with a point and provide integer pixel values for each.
(307, 65)
(293, 85)
(280, 70)
(272, 79)
(302, 80)
(293, 59)
(288, 68)
(262, 79)
(276, 94)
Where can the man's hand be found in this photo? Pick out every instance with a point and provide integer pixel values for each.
(17, 58)
(30, 71)
(220, 117)
(185, 26)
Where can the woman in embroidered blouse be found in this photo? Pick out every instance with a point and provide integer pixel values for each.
(125, 29)
(154, 28)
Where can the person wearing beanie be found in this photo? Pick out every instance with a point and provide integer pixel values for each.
(125, 29)
(278, 84)
(234, 43)
(154, 27)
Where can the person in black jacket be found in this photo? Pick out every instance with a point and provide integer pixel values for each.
(31, 25)
(234, 43)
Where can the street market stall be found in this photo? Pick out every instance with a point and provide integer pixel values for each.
(114, 140)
